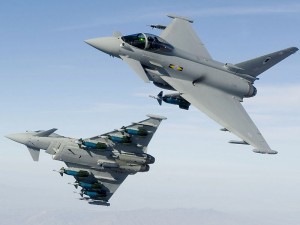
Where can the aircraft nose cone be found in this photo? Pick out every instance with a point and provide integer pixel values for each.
(107, 45)
(92, 42)
(16, 137)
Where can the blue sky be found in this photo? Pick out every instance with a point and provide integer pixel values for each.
(51, 78)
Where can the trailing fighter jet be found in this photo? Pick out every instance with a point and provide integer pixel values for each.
(99, 164)
(178, 60)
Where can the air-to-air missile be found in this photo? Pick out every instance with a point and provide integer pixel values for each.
(125, 139)
(158, 26)
(139, 131)
(91, 145)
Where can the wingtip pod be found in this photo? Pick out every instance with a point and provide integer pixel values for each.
(261, 151)
(173, 16)
(99, 202)
(156, 117)
(293, 49)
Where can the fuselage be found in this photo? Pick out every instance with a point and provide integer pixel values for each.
(69, 151)
(178, 64)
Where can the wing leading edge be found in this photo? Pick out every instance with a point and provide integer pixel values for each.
(139, 134)
(181, 35)
(224, 109)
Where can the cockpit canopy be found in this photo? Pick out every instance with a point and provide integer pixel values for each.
(148, 42)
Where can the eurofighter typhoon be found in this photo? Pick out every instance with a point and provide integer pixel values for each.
(177, 60)
(99, 164)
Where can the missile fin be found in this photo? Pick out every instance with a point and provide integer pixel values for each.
(159, 101)
(159, 97)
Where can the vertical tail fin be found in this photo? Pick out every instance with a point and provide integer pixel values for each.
(254, 67)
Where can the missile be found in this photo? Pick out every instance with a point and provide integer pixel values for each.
(74, 173)
(140, 131)
(120, 139)
(174, 99)
(157, 26)
(95, 194)
(224, 129)
(89, 186)
(90, 145)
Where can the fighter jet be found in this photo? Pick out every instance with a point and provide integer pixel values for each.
(99, 164)
(178, 60)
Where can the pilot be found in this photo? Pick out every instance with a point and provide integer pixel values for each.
(153, 43)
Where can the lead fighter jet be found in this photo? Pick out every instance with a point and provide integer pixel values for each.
(178, 60)
(99, 164)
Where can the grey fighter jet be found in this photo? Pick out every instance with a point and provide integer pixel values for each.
(178, 60)
(99, 164)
